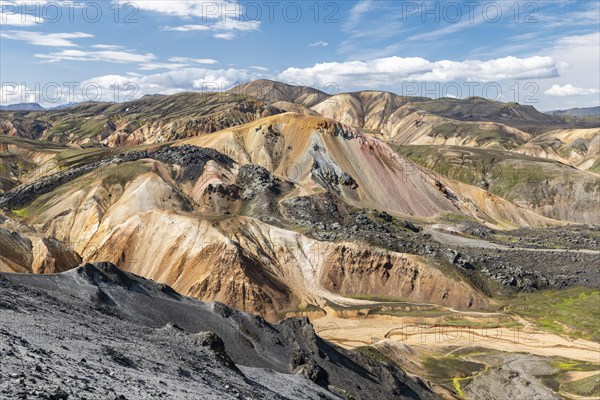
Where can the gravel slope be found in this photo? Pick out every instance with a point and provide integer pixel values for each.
(97, 332)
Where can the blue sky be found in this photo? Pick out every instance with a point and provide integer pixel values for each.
(546, 54)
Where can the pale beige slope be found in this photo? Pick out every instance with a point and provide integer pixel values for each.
(497, 211)
(367, 110)
(577, 147)
(24, 250)
(344, 108)
(323, 270)
(410, 125)
(544, 186)
(294, 107)
(402, 121)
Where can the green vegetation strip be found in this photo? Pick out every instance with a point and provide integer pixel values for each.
(573, 312)
(589, 387)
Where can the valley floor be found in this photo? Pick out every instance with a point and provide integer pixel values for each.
(474, 355)
(423, 334)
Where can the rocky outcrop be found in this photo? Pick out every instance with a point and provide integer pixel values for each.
(24, 250)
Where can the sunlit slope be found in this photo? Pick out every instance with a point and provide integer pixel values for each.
(545, 186)
(26, 251)
(150, 119)
(318, 154)
(577, 147)
(273, 92)
(369, 109)
(141, 218)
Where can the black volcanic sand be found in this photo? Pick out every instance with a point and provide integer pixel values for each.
(97, 332)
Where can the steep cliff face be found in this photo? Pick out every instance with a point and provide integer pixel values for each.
(197, 260)
(24, 250)
(356, 270)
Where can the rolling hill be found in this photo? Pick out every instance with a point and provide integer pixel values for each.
(151, 119)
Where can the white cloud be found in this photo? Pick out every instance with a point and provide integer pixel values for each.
(225, 36)
(259, 68)
(12, 94)
(31, 12)
(176, 81)
(186, 28)
(107, 46)
(320, 43)
(382, 71)
(578, 61)
(357, 12)
(225, 29)
(12, 19)
(447, 30)
(51, 95)
(230, 24)
(590, 16)
(588, 40)
(155, 66)
(205, 9)
(19, 4)
(221, 16)
(569, 90)
(45, 39)
(112, 56)
(465, 22)
(193, 60)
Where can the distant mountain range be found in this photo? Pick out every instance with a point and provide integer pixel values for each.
(284, 95)
(577, 112)
(34, 107)
(22, 107)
